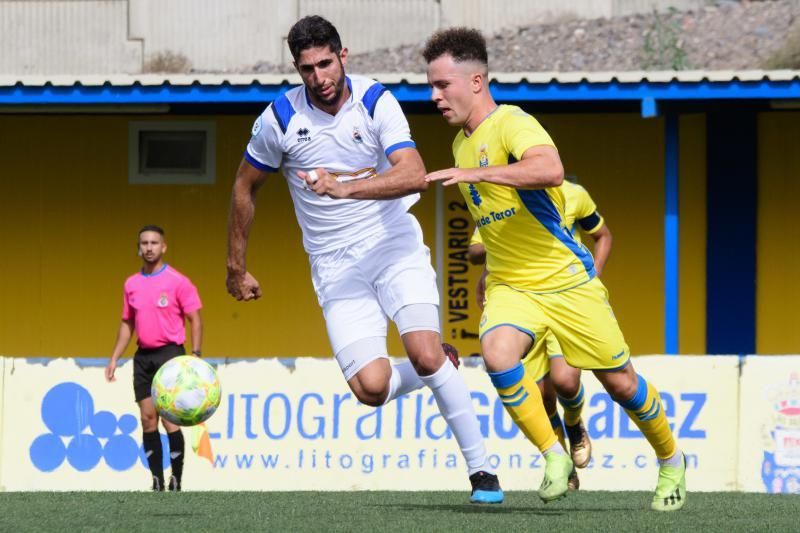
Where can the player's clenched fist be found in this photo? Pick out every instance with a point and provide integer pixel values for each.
(243, 286)
(323, 183)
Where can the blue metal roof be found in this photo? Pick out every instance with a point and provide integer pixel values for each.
(583, 87)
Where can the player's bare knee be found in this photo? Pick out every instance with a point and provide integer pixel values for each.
(428, 362)
(504, 347)
(568, 388)
(370, 391)
(149, 422)
(620, 386)
(623, 391)
(498, 358)
(374, 397)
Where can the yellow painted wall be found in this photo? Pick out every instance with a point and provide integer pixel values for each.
(70, 220)
(778, 237)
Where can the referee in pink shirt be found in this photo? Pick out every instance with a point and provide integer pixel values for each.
(156, 301)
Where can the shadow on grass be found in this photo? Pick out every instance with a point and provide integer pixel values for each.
(501, 509)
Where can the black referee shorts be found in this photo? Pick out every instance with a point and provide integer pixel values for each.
(146, 362)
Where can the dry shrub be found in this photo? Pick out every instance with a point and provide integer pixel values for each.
(168, 62)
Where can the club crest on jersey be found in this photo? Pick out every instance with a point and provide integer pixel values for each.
(162, 300)
(303, 135)
(357, 136)
(483, 158)
(256, 127)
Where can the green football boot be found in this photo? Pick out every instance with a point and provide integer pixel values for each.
(557, 469)
(671, 488)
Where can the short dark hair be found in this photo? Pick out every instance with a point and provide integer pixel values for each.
(310, 32)
(152, 227)
(463, 44)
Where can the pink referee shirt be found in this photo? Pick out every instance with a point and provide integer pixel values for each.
(158, 303)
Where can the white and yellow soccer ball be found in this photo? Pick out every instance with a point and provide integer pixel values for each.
(186, 390)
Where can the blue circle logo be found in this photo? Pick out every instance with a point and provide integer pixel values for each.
(82, 437)
(67, 409)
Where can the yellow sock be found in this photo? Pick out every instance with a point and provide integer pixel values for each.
(647, 412)
(573, 407)
(558, 428)
(523, 401)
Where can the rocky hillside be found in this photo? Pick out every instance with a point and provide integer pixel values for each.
(723, 35)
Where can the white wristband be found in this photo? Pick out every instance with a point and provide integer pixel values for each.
(312, 175)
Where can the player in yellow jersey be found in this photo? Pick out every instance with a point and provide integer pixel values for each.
(540, 278)
(553, 375)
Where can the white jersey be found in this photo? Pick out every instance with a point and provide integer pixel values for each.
(354, 144)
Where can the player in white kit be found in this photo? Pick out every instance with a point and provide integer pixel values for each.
(353, 171)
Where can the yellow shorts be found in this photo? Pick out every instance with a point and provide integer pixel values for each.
(537, 360)
(580, 318)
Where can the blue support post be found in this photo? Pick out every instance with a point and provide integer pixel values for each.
(671, 235)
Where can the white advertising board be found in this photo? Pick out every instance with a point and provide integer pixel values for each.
(294, 425)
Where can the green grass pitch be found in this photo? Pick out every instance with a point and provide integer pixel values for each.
(388, 511)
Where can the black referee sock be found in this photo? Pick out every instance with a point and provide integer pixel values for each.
(152, 450)
(176, 450)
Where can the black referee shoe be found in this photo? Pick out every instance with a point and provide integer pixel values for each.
(174, 484)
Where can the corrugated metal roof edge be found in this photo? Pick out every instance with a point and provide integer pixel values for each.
(124, 80)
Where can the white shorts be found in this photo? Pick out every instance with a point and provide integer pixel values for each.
(362, 285)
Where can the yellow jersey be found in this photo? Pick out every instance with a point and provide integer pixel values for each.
(580, 213)
(528, 244)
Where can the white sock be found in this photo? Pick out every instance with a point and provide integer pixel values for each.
(556, 448)
(676, 461)
(455, 404)
(404, 380)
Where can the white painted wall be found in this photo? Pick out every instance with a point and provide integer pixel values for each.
(118, 36)
(66, 37)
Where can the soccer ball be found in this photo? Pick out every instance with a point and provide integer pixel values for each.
(186, 390)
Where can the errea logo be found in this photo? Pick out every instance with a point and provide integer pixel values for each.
(303, 135)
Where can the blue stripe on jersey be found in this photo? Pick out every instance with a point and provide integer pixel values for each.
(397, 146)
(541, 207)
(283, 111)
(258, 164)
(371, 97)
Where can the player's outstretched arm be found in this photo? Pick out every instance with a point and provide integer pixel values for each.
(124, 335)
(539, 168)
(406, 176)
(241, 285)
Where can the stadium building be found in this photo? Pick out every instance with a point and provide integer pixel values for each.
(693, 171)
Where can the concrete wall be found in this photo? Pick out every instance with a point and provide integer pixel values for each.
(119, 36)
